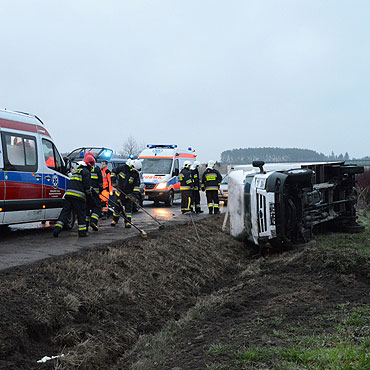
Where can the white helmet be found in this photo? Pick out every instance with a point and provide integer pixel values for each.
(211, 164)
(187, 164)
(129, 162)
(195, 165)
(137, 165)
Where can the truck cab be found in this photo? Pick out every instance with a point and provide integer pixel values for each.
(284, 204)
(161, 165)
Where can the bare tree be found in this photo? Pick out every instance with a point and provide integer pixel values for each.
(131, 146)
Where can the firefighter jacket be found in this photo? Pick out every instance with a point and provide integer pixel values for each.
(96, 179)
(119, 175)
(132, 183)
(211, 179)
(196, 179)
(107, 182)
(186, 180)
(79, 186)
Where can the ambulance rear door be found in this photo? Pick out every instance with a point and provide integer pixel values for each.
(2, 186)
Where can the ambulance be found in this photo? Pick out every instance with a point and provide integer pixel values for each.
(33, 175)
(161, 165)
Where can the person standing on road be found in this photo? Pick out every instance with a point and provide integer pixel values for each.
(93, 210)
(186, 188)
(211, 181)
(127, 186)
(107, 189)
(194, 170)
(79, 190)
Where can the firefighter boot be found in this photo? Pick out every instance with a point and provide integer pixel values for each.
(210, 210)
(217, 210)
(57, 229)
(113, 223)
(94, 226)
(82, 233)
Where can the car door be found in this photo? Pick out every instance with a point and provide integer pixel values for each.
(54, 181)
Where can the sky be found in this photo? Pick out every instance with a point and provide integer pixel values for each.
(208, 74)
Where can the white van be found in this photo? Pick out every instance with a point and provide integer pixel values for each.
(33, 175)
(161, 165)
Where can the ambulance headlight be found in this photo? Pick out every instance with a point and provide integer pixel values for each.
(161, 185)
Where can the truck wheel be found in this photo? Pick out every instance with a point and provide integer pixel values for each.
(351, 170)
(70, 221)
(353, 229)
(300, 175)
(169, 201)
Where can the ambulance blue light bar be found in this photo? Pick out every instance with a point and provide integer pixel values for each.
(168, 146)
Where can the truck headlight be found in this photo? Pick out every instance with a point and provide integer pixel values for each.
(161, 185)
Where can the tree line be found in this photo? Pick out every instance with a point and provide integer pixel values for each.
(271, 155)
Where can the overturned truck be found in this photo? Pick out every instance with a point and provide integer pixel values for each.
(279, 205)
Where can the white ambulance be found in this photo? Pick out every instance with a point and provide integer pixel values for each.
(161, 165)
(33, 175)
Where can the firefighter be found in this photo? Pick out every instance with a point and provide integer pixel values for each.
(93, 205)
(79, 190)
(186, 188)
(211, 181)
(107, 189)
(194, 170)
(128, 179)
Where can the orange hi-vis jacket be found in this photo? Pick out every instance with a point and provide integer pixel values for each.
(107, 183)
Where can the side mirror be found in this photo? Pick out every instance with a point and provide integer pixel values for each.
(67, 165)
(258, 164)
(175, 172)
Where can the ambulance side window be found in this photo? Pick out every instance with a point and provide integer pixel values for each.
(20, 152)
(176, 168)
(52, 158)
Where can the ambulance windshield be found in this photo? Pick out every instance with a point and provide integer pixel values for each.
(156, 166)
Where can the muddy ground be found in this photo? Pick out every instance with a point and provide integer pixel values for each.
(172, 302)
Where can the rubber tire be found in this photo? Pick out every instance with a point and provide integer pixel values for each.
(169, 201)
(353, 229)
(351, 170)
(300, 175)
(70, 222)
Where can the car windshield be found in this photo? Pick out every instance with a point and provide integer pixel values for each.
(156, 166)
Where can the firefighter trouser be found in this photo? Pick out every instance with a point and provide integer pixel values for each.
(93, 209)
(196, 200)
(72, 205)
(212, 201)
(126, 203)
(186, 200)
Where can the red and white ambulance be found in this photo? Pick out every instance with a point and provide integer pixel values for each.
(161, 165)
(33, 175)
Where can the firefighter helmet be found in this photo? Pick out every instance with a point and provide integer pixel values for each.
(129, 162)
(211, 164)
(187, 164)
(196, 164)
(89, 159)
(137, 165)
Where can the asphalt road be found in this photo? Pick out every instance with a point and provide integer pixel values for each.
(28, 243)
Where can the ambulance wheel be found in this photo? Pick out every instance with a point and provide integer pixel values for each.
(70, 221)
(169, 201)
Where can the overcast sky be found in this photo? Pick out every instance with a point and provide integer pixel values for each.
(210, 74)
